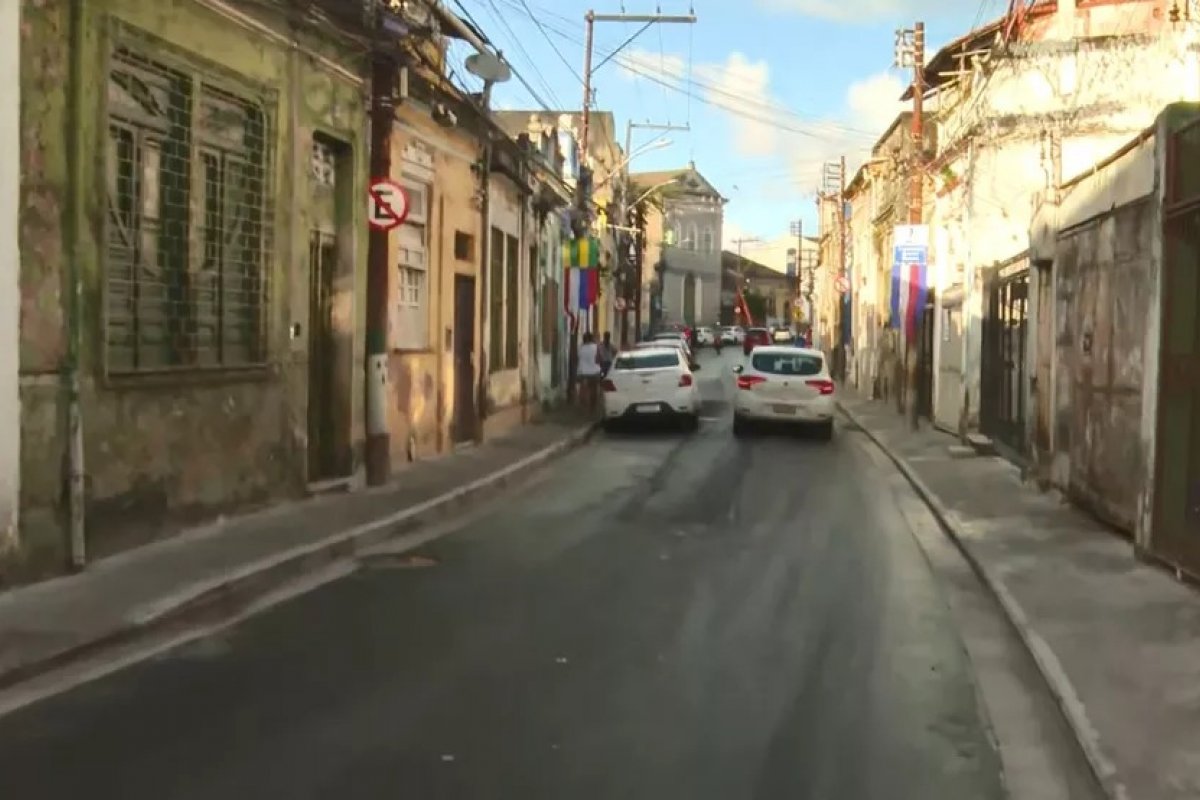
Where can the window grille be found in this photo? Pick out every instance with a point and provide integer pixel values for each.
(186, 273)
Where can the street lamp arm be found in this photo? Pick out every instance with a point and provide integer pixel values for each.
(652, 190)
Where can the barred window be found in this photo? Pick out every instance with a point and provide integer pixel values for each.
(186, 272)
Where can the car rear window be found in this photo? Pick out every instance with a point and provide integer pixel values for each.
(632, 361)
(757, 331)
(787, 363)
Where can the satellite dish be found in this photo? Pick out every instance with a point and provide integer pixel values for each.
(488, 67)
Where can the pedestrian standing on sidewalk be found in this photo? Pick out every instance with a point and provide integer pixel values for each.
(606, 353)
(589, 372)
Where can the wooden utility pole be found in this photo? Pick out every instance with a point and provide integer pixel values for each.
(916, 199)
(843, 310)
(916, 175)
(377, 449)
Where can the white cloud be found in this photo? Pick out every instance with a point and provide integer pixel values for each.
(867, 12)
(874, 102)
(739, 84)
(788, 151)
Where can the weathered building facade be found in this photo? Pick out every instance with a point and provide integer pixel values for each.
(1116, 249)
(687, 256)
(1021, 102)
(169, 276)
(553, 174)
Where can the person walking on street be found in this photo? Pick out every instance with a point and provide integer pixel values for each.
(589, 372)
(606, 353)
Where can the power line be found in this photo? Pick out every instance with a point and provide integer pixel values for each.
(516, 40)
(549, 41)
(751, 110)
(521, 78)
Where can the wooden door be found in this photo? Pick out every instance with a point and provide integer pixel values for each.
(464, 358)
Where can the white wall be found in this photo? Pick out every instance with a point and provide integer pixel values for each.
(987, 218)
(10, 402)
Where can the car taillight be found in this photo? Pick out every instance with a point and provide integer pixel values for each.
(685, 379)
(824, 387)
(749, 381)
(608, 386)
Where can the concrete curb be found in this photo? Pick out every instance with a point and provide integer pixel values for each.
(211, 601)
(1043, 655)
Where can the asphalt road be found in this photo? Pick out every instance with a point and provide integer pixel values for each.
(659, 616)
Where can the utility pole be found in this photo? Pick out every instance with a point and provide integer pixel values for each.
(581, 221)
(916, 177)
(633, 276)
(843, 338)
(378, 446)
(797, 230)
(590, 19)
(741, 279)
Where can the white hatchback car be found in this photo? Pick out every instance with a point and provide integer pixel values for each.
(651, 383)
(784, 384)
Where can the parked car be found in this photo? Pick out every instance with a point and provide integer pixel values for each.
(784, 384)
(651, 383)
(705, 337)
(729, 335)
(754, 338)
(675, 342)
(782, 333)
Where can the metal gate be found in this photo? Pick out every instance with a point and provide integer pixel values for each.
(1002, 364)
(1175, 534)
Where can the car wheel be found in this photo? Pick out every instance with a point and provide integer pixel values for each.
(691, 423)
(740, 426)
(825, 431)
(610, 425)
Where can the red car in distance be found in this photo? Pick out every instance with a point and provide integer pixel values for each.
(754, 338)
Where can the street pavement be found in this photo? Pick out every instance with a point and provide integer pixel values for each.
(656, 616)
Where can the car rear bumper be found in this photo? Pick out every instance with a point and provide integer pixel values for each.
(683, 403)
(817, 410)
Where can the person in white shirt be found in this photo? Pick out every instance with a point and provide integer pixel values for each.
(589, 371)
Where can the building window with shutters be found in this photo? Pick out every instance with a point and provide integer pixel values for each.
(410, 318)
(706, 241)
(188, 220)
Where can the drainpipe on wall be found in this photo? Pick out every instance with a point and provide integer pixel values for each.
(77, 543)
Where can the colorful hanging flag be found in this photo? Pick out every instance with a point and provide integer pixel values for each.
(581, 288)
(584, 252)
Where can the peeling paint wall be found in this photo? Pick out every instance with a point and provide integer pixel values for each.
(422, 379)
(162, 450)
(1105, 277)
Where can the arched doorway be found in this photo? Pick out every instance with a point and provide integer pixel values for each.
(689, 299)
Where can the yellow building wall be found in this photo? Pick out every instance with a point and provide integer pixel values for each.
(422, 380)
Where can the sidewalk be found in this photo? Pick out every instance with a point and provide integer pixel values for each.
(1117, 640)
(213, 573)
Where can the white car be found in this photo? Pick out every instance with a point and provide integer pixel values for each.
(705, 337)
(671, 340)
(784, 384)
(651, 383)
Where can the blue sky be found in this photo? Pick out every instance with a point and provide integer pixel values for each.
(777, 87)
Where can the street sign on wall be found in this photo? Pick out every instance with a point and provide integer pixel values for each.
(842, 284)
(910, 270)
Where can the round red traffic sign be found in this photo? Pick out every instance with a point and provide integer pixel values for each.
(842, 284)
(387, 206)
